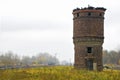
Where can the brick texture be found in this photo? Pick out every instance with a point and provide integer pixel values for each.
(88, 31)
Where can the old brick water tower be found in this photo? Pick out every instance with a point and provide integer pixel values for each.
(88, 37)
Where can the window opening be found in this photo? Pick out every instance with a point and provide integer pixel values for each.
(89, 49)
(77, 14)
(89, 14)
(100, 14)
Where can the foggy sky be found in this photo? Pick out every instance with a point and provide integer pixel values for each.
(28, 27)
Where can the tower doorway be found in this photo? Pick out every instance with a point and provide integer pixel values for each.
(90, 64)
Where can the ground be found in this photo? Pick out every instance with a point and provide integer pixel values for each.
(58, 73)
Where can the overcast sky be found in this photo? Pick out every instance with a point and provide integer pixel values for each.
(28, 27)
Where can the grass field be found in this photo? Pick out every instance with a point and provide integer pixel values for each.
(57, 73)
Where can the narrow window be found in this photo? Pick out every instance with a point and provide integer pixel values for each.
(77, 14)
(89, 49)
(100, 14)
(89, 14)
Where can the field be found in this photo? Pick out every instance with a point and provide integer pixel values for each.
(57, 73)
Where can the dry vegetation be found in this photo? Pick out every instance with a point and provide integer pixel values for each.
(57, 73)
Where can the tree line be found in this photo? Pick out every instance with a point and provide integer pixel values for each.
(111, 57)
(11, 59)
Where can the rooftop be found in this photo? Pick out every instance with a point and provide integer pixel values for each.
(90, 8)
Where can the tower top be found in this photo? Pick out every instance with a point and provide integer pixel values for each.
(90, 8)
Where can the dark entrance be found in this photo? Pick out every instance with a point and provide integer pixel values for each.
(90, 64)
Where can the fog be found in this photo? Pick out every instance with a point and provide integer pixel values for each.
(28, 27)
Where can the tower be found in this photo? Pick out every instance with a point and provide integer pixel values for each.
(88, 37)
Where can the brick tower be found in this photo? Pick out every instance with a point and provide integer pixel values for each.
(88, 37)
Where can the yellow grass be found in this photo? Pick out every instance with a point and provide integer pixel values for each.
(58, 73)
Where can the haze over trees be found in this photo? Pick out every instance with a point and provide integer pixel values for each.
(11, 59)
(111, 57)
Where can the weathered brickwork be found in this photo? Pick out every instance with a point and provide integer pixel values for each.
(88, 37)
